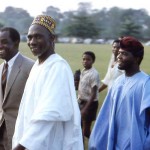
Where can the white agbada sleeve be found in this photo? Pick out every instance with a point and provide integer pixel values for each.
(108, 76)
(112, 73)
(53, 109)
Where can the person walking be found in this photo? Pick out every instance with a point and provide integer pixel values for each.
(49, 116)
(14, 72)
(123, 122)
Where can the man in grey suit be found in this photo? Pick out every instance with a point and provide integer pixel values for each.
(18, 71)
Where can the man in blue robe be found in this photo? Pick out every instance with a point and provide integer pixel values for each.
(123, 122)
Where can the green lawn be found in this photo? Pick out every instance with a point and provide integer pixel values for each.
(73, 54)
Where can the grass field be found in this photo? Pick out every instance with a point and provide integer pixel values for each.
(73, 54)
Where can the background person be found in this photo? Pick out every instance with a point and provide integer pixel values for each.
(11, 90)
(88, 92)
(124, 119)
(53, 121)
(113, 72)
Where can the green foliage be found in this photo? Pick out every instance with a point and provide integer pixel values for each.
(17, 18)
(82, 27)
(86, 22)
(56, 15)
(134, 23)
(1, 25)
(129, 28)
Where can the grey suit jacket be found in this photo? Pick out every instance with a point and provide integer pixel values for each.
(9, 104)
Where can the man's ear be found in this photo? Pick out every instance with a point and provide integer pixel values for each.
(138, 60)
(52, 37)
(17, 43)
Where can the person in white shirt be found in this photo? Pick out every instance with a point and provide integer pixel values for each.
(49, 116)
(113, 72)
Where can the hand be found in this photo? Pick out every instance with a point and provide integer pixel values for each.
(19, 147)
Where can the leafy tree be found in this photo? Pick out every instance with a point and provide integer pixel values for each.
(113, 22)
(55, 13)
(1, 25)
(84, 8)
(25, 24)
(82, 27)
(67, 20)
(17, 18)
(131, 23)
(82, 24)
(130, 29)
(86, 22)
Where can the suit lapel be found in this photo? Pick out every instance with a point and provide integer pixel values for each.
(1, 97)
(1, 93)
(13, 74)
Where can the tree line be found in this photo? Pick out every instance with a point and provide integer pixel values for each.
(86, 22)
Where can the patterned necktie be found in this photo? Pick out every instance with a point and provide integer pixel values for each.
(4, 77)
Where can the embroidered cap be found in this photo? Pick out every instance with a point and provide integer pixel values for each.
(46, 21)
(132, 45)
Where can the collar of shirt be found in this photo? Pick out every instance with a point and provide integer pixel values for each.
(10, 64)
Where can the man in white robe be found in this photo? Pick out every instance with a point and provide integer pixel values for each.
(49, 117)
(124, 119)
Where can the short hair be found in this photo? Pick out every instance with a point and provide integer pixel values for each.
(116, 41)
(13, 33)
(90, 54)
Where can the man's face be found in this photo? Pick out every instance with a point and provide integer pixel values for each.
(115, 48)
(126, 60)
(87, 61)
(7, 46)
(39, 40)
